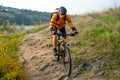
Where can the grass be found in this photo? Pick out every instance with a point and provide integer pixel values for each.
(108, 20)
(99, 35)
(35, 29)
(102, 32)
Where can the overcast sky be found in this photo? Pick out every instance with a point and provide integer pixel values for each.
(73, 6)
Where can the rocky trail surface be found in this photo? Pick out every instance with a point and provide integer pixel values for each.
(36, 55)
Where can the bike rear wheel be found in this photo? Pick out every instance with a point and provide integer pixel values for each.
(67, 61)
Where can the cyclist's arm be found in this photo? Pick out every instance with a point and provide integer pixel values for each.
(53, 20)
(71, 24)
(68, 19)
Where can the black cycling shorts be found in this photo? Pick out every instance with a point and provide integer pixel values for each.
(55, 29)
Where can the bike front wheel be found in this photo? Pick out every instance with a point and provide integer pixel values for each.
(67, 61)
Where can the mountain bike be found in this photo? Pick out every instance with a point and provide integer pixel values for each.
(63, 53)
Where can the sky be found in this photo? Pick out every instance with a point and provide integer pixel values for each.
(72, 6)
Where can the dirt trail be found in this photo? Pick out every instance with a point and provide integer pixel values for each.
(36, 54)
(37, 57)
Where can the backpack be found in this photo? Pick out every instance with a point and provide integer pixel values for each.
(57, 16)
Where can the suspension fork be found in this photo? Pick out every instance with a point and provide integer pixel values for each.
(58, 48)
(58, 44)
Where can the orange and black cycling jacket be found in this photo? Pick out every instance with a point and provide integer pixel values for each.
(60, 22)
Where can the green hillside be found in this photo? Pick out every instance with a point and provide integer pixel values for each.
(22, 16)
(98, 41)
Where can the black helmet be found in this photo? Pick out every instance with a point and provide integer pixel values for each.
(63, 10)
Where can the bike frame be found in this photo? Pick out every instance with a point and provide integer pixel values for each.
(61, 53)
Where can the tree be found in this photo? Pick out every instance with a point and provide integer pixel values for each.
(6, 25)
(0, 22)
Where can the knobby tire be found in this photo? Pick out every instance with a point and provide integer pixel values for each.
(67, 62)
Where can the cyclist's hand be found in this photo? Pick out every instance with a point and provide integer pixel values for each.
(73, 34)
(76, 32)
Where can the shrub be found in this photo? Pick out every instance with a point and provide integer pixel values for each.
(10, 68)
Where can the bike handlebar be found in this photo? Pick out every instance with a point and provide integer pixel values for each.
(70, 34)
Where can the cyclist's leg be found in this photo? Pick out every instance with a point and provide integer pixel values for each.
(54, 32)
(63, 31)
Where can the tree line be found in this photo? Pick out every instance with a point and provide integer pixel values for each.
(22, 16)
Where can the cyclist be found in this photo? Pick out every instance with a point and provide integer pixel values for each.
(60, 25)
